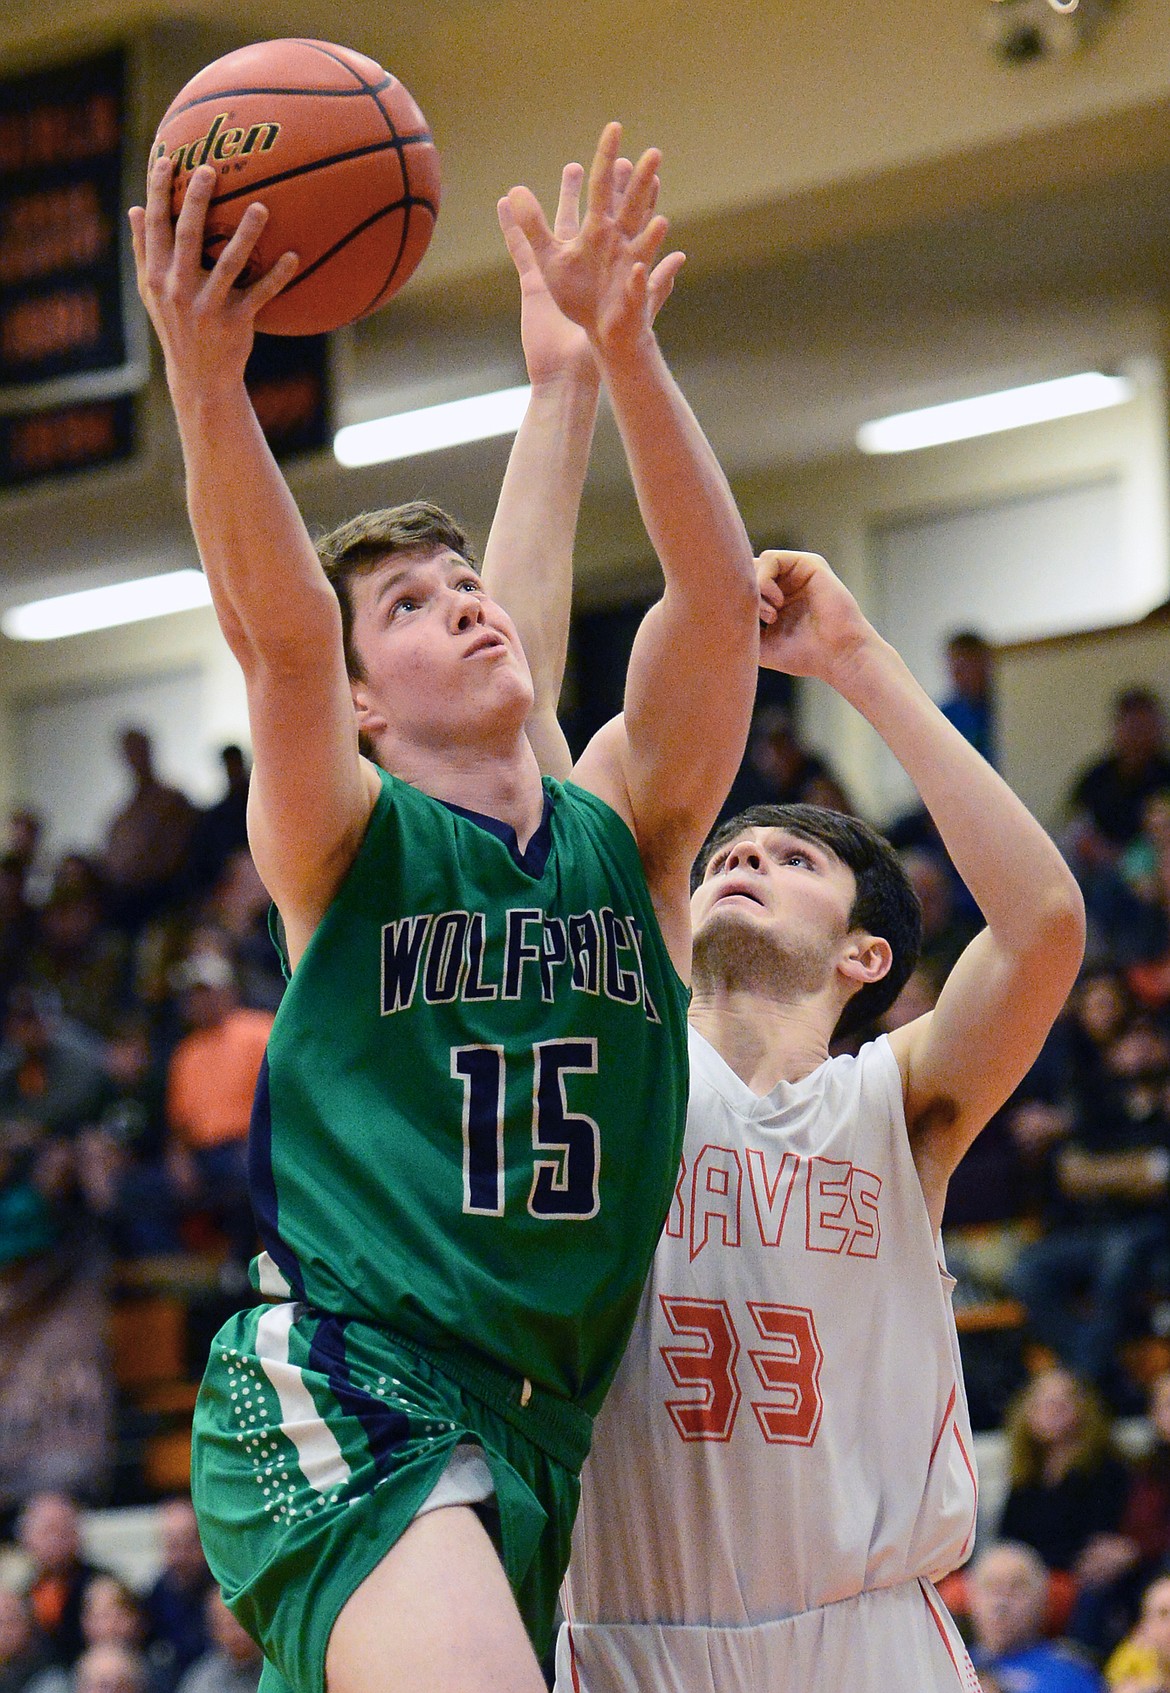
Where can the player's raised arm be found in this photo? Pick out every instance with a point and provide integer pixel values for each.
(311, 794)
(692, 672)
(528, 563)
(962, 1060)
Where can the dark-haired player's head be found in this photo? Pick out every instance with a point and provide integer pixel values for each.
(853, 885)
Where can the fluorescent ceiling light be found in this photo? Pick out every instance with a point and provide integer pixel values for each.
(104, 608)
(431, 428)
(959, 421)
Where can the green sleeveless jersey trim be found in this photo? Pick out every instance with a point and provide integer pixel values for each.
(469, 1124)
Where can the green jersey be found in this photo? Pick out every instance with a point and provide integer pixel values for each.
(469, 1123)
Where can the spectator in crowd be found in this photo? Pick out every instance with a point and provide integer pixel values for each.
(998, 1189)
(1141, 1664)
(110, 1668)
(23, 1658)
(778, 769)
(223, 828)
(1144, 865)
(148, 841)
(24, 838)
(1008, 1595)
(49, 1534)
(1137, 931)
(946, 930)
(122, 1164)
(56, 1392)
(233, 1663)
(111, 1615)
(236, 914)
(1068, 1487)
(176, 1606)
(111, 1611)
(211, 1082)
(969, 707)
(970, 704)
(51, 1084)
(78, 955)
(51, 1077)
(1146, 1520)
(1109, 1182)
(17, 922)
(1105, 801)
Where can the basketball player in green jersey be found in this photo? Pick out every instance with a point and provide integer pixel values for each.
(459, 1156)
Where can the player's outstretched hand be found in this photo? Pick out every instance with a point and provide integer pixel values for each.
(602, 274)
(553, 344)
(204, 321)
(810, 624)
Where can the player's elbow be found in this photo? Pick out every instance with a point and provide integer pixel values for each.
(723, 566)
(1058, 938)
(744, 588)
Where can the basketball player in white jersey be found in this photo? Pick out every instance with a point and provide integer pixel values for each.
(783, 1467)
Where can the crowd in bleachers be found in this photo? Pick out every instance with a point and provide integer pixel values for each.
(137, 988)
(69, 1626)
(138, 983)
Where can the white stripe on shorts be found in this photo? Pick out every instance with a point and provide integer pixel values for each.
(321, 1459)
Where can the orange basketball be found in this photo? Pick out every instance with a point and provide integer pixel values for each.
(337, 151)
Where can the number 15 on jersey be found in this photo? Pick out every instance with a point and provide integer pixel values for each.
(566, 1167)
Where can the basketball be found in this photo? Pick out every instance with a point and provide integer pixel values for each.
(339, 153)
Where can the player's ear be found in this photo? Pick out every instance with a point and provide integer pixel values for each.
(866, 959)
(371, 720)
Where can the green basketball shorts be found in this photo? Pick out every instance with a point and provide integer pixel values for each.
(317, 1440)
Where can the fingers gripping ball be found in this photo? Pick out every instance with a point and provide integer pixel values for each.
(337, 151)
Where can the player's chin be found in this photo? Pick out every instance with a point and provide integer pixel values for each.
(728, 915)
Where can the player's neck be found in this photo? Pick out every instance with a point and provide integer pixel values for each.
(765, 1041)
(503, 784)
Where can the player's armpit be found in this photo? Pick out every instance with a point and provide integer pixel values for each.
(962, 1061)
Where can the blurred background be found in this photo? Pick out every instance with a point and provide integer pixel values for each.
(887, 205)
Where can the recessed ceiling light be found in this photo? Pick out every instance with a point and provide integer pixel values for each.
(986, 414)
(105, 608)
(431, 428)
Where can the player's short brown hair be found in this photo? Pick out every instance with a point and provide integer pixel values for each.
(884, 903)
(359, 546)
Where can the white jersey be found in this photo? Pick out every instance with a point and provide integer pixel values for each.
(788, 1430)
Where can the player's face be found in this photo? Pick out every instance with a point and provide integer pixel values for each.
(771, 876)
(769, 888)
(441, 658)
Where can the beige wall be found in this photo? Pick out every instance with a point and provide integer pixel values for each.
(1057, 697)
(835, 509)
(191, 639)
